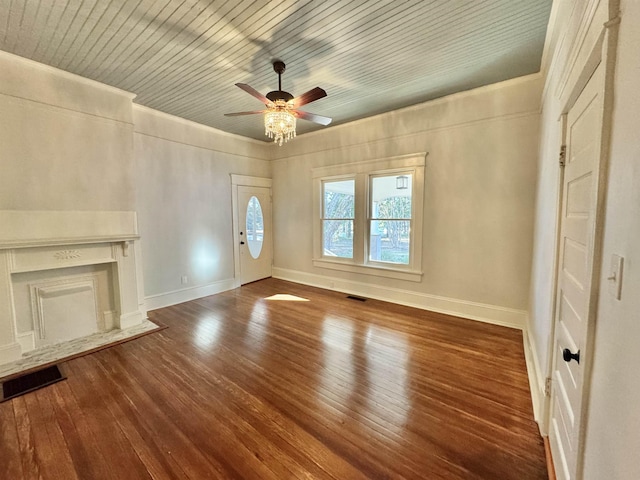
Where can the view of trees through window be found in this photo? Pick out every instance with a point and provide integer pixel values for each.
(338, 215)
(390, 222)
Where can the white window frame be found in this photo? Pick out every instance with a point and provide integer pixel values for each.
(362, 173)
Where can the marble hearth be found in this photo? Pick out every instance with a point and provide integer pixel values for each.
(66, 275)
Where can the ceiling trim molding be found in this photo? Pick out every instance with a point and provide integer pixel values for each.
(67, 75)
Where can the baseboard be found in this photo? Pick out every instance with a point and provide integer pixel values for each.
(551, 470)
(496, 315)
(536, 384)
(10, 353)
(27, 341)
(153, 302)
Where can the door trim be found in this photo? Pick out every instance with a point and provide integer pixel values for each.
(241, 181)
(603, 54)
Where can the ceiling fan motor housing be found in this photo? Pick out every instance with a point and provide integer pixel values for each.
(279, 95)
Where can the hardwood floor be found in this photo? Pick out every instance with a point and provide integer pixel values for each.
(248, 388)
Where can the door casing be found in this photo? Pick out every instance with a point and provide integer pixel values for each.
(237, 181)
(601, 55)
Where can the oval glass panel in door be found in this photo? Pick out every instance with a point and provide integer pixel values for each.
(255, 227)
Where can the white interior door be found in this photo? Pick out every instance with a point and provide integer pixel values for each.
(254, 233)
(574, 304)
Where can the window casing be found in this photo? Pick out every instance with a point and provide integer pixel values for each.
(368, 217)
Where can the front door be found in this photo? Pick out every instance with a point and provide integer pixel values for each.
(574, 297)
(254, 233)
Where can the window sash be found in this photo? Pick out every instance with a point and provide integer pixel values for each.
(408, 267)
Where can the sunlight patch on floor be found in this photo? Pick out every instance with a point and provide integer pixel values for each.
(286, 297)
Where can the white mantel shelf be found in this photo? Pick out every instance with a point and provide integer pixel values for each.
(11, 244)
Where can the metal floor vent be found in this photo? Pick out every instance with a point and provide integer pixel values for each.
(30, 382)
(355, 297)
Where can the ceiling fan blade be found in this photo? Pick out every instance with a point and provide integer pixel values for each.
(308, 97)
(252, 91)
(312, 117)
(236, 114)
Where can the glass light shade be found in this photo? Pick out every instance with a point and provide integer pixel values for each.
(279, 123)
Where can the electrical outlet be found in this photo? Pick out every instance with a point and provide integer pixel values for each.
(615, 276)
(184, 279)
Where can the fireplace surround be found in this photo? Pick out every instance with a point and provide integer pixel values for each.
(65, 275)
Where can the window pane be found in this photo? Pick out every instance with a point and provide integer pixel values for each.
(337, 238)
(391, 196)
(389, 241)
(339, 199)
(254, 227)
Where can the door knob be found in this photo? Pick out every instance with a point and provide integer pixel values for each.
(567, 356)
(241, 243)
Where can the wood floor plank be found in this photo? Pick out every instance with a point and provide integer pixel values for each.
(239, 387)
(9, 446)
(30, 467)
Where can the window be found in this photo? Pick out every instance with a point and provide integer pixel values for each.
(338, 199)
(369, 217)
(390, 220)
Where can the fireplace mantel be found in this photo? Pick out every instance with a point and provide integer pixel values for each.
(34, 241)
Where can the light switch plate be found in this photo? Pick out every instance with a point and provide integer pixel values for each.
(615, 276)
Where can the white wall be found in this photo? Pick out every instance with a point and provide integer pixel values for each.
(184, 203)
(66, 141)
(613, 422)
(479, 194)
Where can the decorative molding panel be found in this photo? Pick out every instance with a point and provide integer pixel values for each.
(66, 306)
(497, 315)
(67, 254)
(52, 257)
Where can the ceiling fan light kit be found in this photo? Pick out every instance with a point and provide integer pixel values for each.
(280, 123)
(281, 113)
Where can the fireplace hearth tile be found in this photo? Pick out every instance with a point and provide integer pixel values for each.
(64, 350)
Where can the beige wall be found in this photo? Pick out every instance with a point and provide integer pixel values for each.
(184, 203)
(479, 194)
(66, 142)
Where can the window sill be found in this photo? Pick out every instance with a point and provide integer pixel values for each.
(375, 270)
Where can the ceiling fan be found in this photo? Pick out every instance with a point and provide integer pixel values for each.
(282, 108)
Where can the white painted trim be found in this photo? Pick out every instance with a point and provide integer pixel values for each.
(10, 353)
(418, 159)
(536, 381)
(494, 314)
(248, 181)
(167, 299)
(435, 101)
(367, 269)
(110, 121)
(191, 123)
(68, 75)
(398, 138)
(27, 341)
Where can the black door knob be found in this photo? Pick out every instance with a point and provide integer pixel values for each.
(567, 356)
(241, 243)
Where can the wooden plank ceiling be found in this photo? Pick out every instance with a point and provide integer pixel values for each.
(183, 57)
